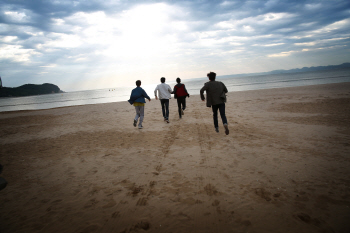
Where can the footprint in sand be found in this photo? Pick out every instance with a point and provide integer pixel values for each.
(210, 190)
(142, 201)
(159, 168)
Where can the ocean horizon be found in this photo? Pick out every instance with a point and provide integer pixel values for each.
(233, 83)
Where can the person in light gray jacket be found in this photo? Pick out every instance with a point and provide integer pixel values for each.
(165, 92)
(216, 98)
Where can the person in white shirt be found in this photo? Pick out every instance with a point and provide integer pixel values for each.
(165, 92)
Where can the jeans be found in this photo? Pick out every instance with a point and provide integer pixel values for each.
(221, 108)
(181, 101)
(165, 108)
(140, 112)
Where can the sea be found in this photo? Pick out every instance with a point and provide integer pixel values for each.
(234, 83)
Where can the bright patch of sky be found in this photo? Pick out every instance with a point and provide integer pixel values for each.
(81, 45)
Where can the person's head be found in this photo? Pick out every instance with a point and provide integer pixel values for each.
(211, 76)
(162, 79)
(138, 83)
(178, 80)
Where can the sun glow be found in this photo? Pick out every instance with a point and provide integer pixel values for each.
(142, 33)
(137, 42)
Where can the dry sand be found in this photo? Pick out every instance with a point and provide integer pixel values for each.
(284, 167)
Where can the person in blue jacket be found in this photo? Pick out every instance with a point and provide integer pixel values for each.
(137, 98)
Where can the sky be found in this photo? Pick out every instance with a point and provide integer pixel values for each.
(94, 44)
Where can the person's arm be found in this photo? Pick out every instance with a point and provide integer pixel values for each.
(155, 92)
(145, 95)
(174, 92)
(186, 91)
(169, 89)
(132, 97)
(225, 89)
(202, 91)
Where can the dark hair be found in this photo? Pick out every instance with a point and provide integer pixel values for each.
(138, 83)
(178, 80)
(162, 79)
(211, 76)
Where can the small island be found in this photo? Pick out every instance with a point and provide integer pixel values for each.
(29, 89)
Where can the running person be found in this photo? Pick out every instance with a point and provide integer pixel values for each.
(137, 98)
(164, 96)
(216, 99)
(180, 93)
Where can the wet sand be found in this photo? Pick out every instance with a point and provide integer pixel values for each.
(284, 167)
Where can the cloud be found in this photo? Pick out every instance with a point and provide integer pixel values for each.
(7, 39)
(16, 53)
(70, 42)
(17, 17)
(269, 45)
(282, 54)
(342, 24)
(49, 66)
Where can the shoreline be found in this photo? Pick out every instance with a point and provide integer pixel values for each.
(4, 112)
(284, 167)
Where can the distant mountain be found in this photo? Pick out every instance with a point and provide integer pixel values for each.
(304, 69)
(29, 89)
(313, 68)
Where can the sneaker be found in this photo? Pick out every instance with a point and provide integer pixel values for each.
(140, 127)
(226, 129)
(135, 122)
(217, 129)
(167, 121)
(182, 112)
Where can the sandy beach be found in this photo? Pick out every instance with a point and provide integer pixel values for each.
(284, 167)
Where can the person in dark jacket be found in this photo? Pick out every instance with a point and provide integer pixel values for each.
(180, 93)
(216, 98)
(137, 98)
